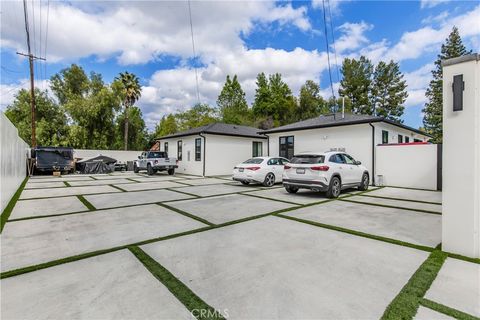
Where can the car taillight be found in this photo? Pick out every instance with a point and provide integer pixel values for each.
(156, 161)
(286, 167)
(253, 168)
(320, 168)
(234, 168)
(176, 161)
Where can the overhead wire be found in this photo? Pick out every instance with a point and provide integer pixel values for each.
(46, 40)
(194, 53)
(333, 39)
(328, 50)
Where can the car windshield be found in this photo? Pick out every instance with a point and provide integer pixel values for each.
(307, 159)
(157, 155)
(254, 161)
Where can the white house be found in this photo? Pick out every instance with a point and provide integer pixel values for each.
(356, 134)
(213, 149)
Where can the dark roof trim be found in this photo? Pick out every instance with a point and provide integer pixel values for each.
(465, 58)
(363, 121)
(179, 135)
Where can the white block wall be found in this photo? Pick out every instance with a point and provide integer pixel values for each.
(119, 155)
(410, 166)
(13, 156)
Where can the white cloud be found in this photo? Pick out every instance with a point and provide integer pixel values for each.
(8, 91)
(431, 3)
(353, 36)
(439, 18)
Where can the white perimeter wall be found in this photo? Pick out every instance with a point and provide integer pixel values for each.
(13, 164)
(394, 131)
(225, 152)
(356, 139)
(410, 166)
(120, 155)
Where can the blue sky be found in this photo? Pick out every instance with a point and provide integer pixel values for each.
(152, 39)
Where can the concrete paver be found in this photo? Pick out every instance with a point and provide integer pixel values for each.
(102, 201)
(99, 182)
(149, 185)
(409, 194)
(42, 185)
(157, 178)
(301, 197)
(67, 178)
(410, 226)
(203, 182)
(227, 208)
(429, 314)
(110, 286)
(42, 207)
(31, 242)
(276, 268)
(399, 203)
(69, 191)
(213, 189)
(457, 286)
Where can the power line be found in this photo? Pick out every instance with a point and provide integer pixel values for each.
(328, 49)
(193, 49)
(46, 39)
(333, 40)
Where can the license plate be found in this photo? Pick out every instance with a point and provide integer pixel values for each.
(240, 169)
(301, 171)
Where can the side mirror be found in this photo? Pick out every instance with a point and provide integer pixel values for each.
(358, 163)
(139, 157)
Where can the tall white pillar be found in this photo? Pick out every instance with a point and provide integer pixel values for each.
(461, 155)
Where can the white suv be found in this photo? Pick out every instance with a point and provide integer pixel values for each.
(328, 172)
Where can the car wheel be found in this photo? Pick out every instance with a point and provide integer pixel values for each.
(135, 168)
(334, 188)
(365, 182)
(291, 189)
(269, 180)
(246, 183)
(150, 170)
(171, 172)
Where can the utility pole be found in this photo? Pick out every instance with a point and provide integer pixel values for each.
(31, 57)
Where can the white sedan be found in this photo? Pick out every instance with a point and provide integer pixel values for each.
(265, 170)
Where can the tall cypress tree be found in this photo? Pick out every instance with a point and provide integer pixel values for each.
(433, 111)
(389, 91)
(356, 82)
(232, 103)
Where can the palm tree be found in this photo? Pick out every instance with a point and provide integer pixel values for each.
(132, 91)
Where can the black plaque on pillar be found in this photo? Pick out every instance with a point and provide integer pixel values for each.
(458, 87)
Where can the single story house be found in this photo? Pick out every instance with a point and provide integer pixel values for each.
(213, 149)
(355, 134)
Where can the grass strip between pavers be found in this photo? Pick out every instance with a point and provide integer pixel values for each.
(457, 314)
(405, 304)
(390, 206)
(420, 189)
(197, 307)
(87, 203)
(11, 204)
(116, 187)
(184, 213)
(400, 199)
(66, 184)
(358, 233)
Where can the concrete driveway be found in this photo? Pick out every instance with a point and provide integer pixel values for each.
(127, 245)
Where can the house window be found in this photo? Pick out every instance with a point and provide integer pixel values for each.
(257, 149)
(407, 139)
(417, 140)
(400, 138)
(286, 147)
(198, 149)
(165, 147)
(384, 136)
(179, 150)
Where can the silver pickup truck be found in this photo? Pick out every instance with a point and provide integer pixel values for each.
(154, 161)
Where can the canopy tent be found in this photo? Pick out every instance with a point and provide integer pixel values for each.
(98, 164)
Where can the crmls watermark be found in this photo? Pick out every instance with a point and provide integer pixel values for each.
(209, 313)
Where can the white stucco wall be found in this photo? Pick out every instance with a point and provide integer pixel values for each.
(119, 155)
(394, 131)
(13, 155)
(356, 139)
(410, 166)
(461, 162)
(224, 152)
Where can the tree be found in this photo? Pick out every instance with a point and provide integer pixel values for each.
(232, 104)
(273, 100)
(52, 129)
(433, 110)
(167, 125)
(199, 115)
(389, 91)
(356, 82)
(131, 93)
(311, 104)
(138, 135)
